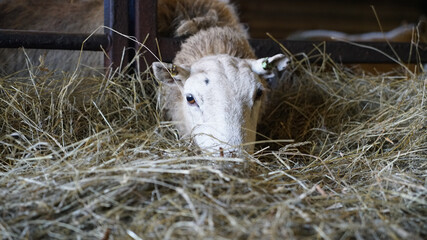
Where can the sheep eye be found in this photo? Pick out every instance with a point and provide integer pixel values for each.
(259, 93)
(190, 99)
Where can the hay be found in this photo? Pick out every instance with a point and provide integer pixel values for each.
(91, 158)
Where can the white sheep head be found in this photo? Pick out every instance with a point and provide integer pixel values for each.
(217, 100)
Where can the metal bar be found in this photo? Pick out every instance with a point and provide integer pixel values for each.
(346, 52)
(52, 40)
(366, 52)
(146, 30)
(144, 27)
(115, 17)
(116, 14)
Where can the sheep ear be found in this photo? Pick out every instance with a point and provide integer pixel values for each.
(169, 73)
(267, 67)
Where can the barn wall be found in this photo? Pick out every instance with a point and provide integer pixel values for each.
(281, 17)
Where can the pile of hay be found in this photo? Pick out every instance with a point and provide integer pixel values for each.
(91, 158)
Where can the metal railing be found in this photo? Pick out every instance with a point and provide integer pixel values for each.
(138, 18)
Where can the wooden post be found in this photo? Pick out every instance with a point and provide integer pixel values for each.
(146, 31)
(116, 16)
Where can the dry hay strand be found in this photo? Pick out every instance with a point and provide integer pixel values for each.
(91, 158)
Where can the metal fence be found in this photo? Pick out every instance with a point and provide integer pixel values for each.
(138, 18)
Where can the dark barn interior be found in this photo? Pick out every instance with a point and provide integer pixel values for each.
(282, 17)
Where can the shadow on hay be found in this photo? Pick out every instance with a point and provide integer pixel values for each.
(322, 102)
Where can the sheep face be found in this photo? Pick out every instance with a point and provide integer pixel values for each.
(218, 99)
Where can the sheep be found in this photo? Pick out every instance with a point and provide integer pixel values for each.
(175, 19)
(78, 16)
(214, 89)
(181, 18)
